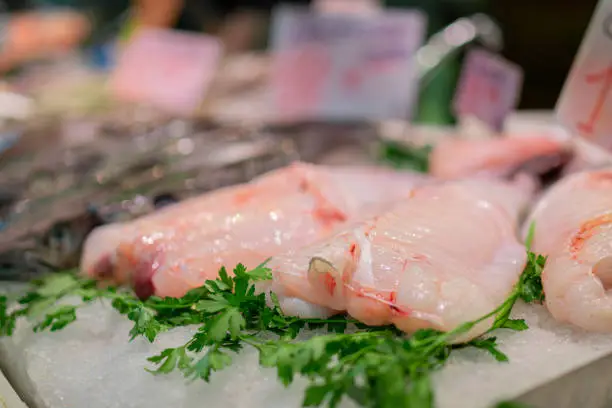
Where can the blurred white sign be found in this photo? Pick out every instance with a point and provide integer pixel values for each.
(346, 6)
(344, 67)
(170, 70)
(584, 107)
(15, 106)
(489, 88)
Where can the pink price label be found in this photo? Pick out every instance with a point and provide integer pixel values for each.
(347, 6)
(167, 69)
(584, 106)
(337, 66)
(489, 88)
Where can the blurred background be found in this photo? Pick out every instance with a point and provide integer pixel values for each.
(80, 145)
(541, 36)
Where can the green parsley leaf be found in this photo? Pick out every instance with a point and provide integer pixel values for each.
(315, 395)
(530, 237)
(42, 304)
(531, 289)
(57, 318)
(169, 359)
(490, 345)
(402, 156)
(213, 360)
(515, 324)
(229, 321)
(511, 404)
(212, 305)
(7, 320)
(58, 284)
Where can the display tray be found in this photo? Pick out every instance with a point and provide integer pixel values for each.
(8, 396)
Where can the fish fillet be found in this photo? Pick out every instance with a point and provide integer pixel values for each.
(573, 227)
(446, 255)
(176, 249)
(457, 158)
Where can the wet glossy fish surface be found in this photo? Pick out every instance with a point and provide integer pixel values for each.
(573, 227)
(179, 247)
(456, 158)
(447, 255)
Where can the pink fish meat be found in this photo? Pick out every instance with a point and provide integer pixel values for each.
(573, 227)
(176, 249)
(446, 255)
(457, 158)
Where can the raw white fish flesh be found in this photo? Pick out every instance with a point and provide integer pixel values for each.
(447, 255)
(573, 227)
(176, 249)
(454, 158)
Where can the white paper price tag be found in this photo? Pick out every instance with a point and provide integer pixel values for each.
(344, 67)
(167, 69)
(347, 6)
(584, 107)
(489, 88)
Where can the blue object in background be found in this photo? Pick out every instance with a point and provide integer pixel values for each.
(102, 56)
(8, 139)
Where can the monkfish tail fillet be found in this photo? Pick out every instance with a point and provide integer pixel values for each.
(573, 227)
(178, 248)
(457, 158)
(447, 255)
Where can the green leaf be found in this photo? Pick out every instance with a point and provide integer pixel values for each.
(236, 323)
(420, 393)
(503, 314)
(29, 297)
(315, 395)
(7, 321)
(530, 236)
(167, 360)
(211, 306)
(511, 404)
(260, 273)
(145, 323)
(515, 324)
(531, 289)
(38, 308)
(390, 390)
(213, 360)
(57, 319)
(490, 345)
(57, 284)
(241, 286)
(407, 157)
(230, 320)
(225, 279)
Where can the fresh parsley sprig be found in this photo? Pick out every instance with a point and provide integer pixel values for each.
(43, 303)
(54, 301)
(233, 315)
(374, 368)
